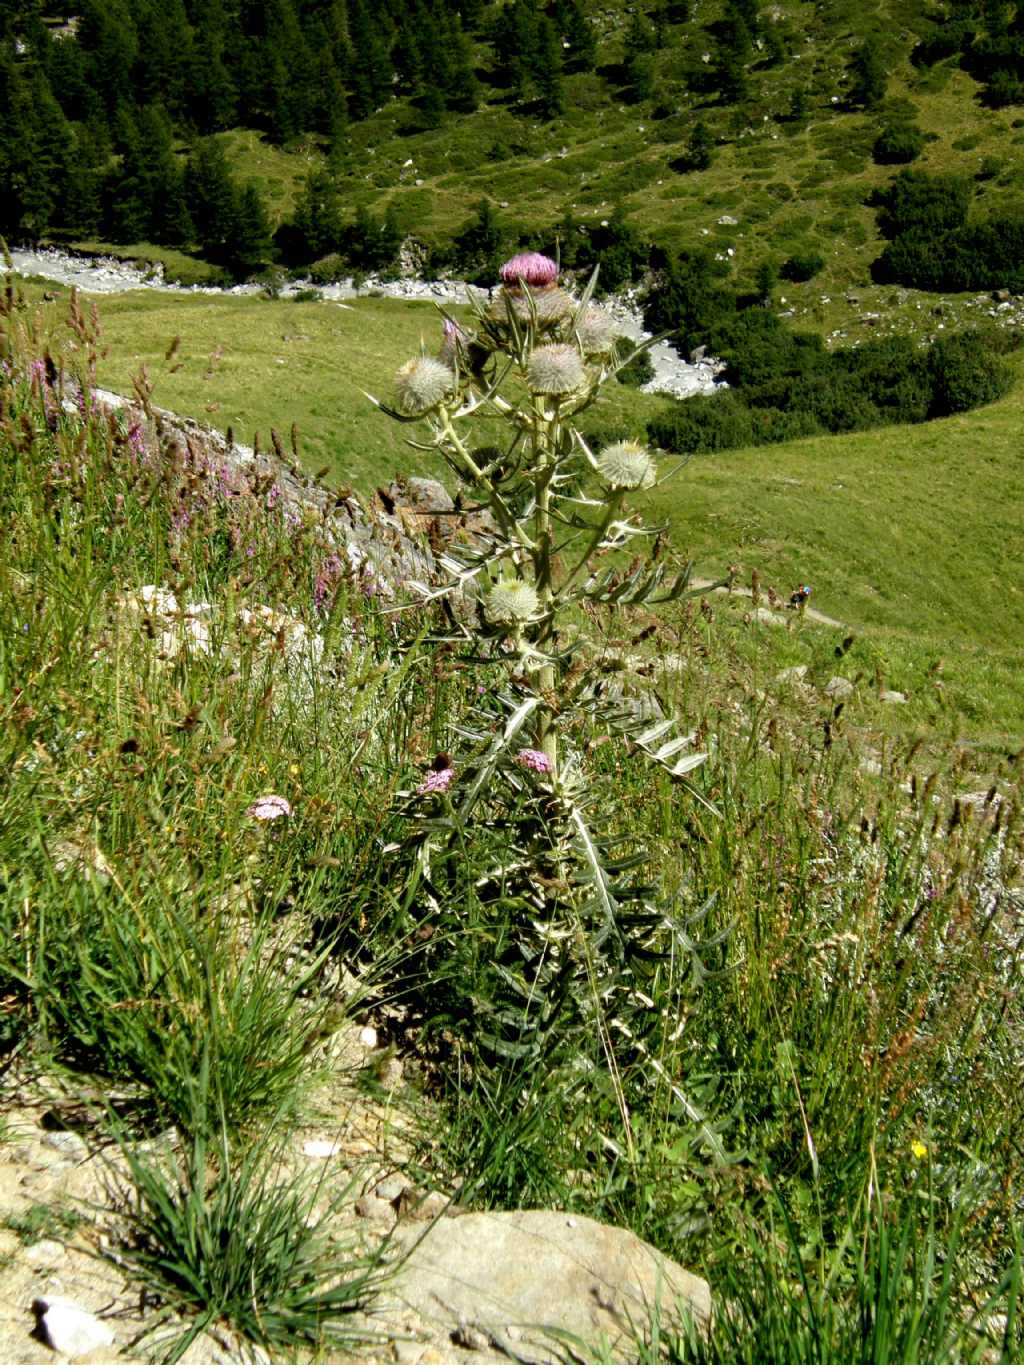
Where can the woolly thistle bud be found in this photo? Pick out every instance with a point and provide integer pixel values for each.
(555, 369)
(552, 306)
(452, 338)
(530, 268)
(596, 332)
(626, 465)
(509, 602)
(548, 306)
(422, 384)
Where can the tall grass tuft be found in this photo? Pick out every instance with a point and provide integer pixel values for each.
(218, 1240)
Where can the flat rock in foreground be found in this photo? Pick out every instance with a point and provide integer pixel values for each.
(509, 1282)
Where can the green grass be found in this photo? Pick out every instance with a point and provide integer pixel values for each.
(253, 364)
(232, 1243)
(907, 534)
(179, 266)
(43, 1222)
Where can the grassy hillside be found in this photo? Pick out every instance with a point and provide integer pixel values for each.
(909, 535)
(775, 1024)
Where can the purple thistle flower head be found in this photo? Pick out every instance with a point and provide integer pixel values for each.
(437, 780)
(530, 268)
(534, 759)
(452, 337)
(270, 807)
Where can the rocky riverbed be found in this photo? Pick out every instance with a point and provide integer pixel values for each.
(108, 275)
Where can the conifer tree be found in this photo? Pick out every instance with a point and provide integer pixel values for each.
(575, 29)
(165, 54)
(462, 89)
(109, 41)
(868, 75)
(701, 150)
(547, 71)
(212, 96)
(70, 82)
(248, 242)
(318, 218)
(83, 199)
(35, 150)
(212, 197)
(371, 72)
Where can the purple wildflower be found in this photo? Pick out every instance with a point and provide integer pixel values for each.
(273, 494)
(534, 759)
(437, 780)
(136, 441)
(226, 481)
(327, 580)
(530, 268)
(269, 807)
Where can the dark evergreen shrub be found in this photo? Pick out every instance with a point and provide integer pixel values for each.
(802, 266)
(638, 372)
(898, 144)
(920, 202)
(966, 372)
(704, 424)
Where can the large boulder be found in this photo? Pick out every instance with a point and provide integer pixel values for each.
(518, 1284)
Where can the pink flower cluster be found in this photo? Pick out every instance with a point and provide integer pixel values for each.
(530, 268)
(438, 780)
(534, 759)
(269, 807)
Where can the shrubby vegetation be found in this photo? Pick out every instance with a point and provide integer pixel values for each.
(898, 143)
(785, 384)
(935, 244)
(989, 40)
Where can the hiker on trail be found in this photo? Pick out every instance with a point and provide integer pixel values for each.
(799, 599)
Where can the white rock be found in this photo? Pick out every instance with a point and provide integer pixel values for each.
(69, 1144)
(317, 1147)
(838, 687)
(45, 1253)
(68, 1328)
(368, 1037)
(795, 674)
(894, 698)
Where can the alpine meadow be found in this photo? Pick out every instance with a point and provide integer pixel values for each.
(511, 638)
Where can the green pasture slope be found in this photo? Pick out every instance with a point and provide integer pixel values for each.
(912, 537)
(912, 534)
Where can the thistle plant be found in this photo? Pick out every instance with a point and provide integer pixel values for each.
(501, 401)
